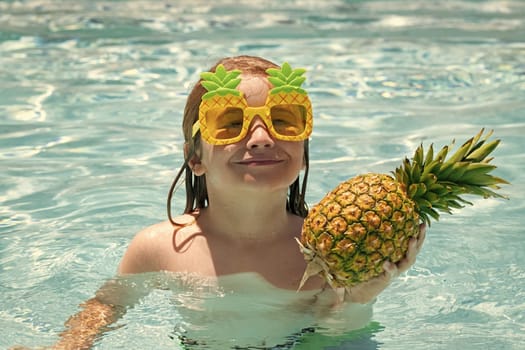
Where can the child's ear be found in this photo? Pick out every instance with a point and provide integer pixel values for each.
(196, 166)
(194, 162)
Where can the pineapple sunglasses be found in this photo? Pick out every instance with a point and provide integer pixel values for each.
(225, 117)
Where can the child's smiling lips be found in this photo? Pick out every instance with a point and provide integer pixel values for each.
(254, 161)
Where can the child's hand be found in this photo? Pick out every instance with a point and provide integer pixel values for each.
(367, 291)
(414, 247)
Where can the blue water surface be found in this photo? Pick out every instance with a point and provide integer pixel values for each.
(91, 100)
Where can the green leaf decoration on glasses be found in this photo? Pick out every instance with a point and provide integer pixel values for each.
(221, 82)
(286, 79)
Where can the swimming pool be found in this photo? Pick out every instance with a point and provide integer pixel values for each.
(91, 95)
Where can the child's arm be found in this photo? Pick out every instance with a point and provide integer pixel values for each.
(97, 314)
(83, 328)
(113, 298)
(100, 312)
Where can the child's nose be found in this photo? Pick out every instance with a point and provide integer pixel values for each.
(259, 135)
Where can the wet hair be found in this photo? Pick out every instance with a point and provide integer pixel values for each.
(196, 192)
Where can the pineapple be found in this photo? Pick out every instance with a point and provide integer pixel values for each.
(370, 218)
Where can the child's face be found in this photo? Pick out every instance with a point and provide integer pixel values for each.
(258, 159)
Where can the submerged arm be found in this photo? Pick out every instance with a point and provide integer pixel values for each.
(116, 296)
(83, 328)
(99, 313)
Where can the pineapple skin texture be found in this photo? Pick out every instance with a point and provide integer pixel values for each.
(356, 227)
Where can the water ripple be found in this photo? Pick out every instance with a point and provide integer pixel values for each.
(91, 105)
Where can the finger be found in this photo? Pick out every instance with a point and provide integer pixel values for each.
(422, 235)
(413, 249)
(391, 270)
(405, 264)
(410, 257)
(413, 245)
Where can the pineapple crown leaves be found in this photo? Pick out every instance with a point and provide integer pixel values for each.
(436, 182)
(286, 79)
(221, 82)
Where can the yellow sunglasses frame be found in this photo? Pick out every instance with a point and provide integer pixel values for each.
(249, 113)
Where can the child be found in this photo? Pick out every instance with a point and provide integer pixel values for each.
(245, 201)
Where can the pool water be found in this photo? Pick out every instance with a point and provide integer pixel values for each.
(91, 99)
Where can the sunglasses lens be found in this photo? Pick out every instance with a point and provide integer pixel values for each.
(288, 119)
(224, 123)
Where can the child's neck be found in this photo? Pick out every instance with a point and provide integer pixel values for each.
(248, 219)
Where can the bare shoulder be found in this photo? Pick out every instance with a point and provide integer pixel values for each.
(143, 251)
(152, 248)
(158, 233)
(150, 236)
